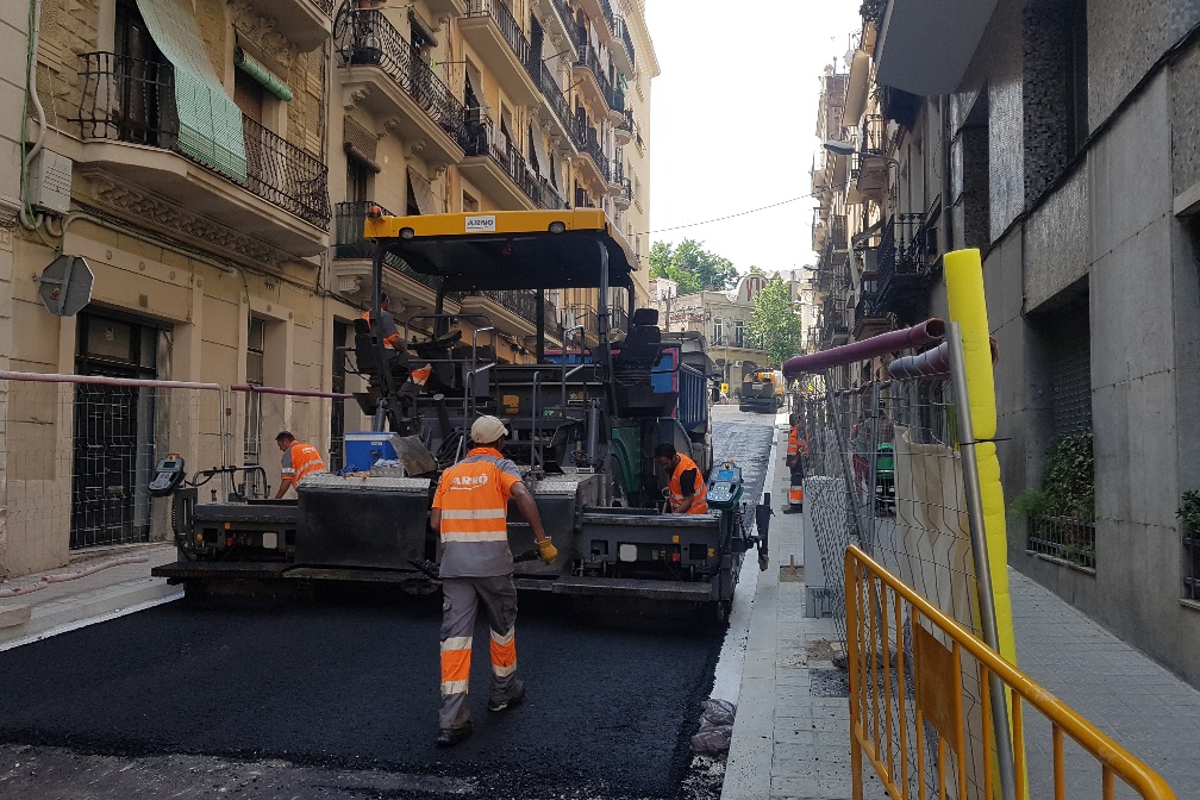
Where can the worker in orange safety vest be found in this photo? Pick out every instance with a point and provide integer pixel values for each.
(470, 510)
(685, 485)
(393, 339)
(299, 460)
(797, 447)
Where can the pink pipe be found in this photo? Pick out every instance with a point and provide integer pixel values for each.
(63, 577)
(245, 387)
(928, 332)
(54, 377)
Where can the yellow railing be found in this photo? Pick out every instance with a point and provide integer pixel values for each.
(918, 682)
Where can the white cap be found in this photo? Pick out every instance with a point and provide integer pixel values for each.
(487, 429)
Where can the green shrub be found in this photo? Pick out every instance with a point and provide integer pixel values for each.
(1068, 482)
(1189, 512)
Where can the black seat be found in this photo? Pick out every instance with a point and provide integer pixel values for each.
(633, 366)
(365, 356)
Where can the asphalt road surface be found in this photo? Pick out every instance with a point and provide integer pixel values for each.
(339, 699)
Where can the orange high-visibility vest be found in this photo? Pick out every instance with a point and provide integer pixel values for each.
(304, 460)
(393, 341)
(675, 489)
(473, 497)
(793, 441)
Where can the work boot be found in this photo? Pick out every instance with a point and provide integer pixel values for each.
(448, 737)
(516, 696)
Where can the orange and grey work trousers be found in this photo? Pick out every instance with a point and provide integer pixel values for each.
(460, 603)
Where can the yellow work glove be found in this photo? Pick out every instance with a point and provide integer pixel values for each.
(547, 552)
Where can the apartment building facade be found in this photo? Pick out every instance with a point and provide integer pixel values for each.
(1059, 138)
(212, 161)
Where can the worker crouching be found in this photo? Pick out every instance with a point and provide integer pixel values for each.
(685, 485)
(470, 510)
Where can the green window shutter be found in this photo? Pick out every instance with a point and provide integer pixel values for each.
(210, 123)
(255, 69)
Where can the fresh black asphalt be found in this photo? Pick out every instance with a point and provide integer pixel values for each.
(353, 686)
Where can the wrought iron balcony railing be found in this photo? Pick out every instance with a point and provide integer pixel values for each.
(564, 12)
(550, 197)
(326, 6)
(132, 100)
(591, 146)
(582, 315)
(522, 302)
(348, 221)
(557, 100)
(502, 15)
(874, 133)
(371, 39)
(349, 241)
(483, 140)
(621, 34)
(585, 56)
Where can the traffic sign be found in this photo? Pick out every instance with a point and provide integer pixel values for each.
(66, 285)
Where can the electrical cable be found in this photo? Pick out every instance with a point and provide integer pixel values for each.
(728, 216)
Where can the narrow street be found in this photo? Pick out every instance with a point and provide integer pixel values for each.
(339, 699)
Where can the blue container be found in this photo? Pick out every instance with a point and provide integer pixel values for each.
(364, 448)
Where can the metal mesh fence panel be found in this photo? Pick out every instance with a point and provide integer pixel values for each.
(77, 454)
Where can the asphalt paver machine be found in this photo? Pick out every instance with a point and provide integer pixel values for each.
(584, 419)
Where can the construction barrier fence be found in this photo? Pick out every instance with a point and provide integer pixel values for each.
(919, 717)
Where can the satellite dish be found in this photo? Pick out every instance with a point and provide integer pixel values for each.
(66, 285)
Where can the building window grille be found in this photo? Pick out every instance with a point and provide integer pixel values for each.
(255, 357)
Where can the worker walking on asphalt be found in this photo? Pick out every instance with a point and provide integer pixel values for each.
(470, 510)
(299, 459)
(685, 486)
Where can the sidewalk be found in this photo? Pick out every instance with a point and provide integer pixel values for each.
(70, 602)
(791, 739)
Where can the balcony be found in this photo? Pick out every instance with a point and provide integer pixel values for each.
(496, 166)
(558, 20)
(584, 316)
(625, 129)
(904, 275)
(592, 156)
(131, 131)
(912, 53)
(512, 311)
(550, 198)
(868, 319)
(304, 23)
(352, 254)
(394, 82)
(871, 162)
(595, 84)
(555, 113)
(493, 31)
(601, 14)
(616, 177)
(624, 196)
(623, 54)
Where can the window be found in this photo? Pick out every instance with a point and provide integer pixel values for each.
(358, 178)
(718, 331)
(739, 333)
(138, 91)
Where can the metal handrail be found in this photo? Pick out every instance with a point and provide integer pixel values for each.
(1116, 762)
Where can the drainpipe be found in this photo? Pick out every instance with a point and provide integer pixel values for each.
(946, 156)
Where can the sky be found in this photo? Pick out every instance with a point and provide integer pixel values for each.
(733, 121)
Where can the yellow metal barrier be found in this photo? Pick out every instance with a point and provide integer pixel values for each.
(918, 683)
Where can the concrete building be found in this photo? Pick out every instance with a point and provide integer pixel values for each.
(213, 161)
(1061, 138)
(724, 318)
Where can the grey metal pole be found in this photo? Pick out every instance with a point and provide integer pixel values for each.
(983, 574)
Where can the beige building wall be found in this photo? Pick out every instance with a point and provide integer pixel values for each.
(207, 263)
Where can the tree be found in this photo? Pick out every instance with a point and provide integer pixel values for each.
(662, 266)
(775, 325)
(690, 265)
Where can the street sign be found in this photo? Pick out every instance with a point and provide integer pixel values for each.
(66, 285)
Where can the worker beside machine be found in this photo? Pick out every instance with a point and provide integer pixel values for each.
(685, 493)
(300, 460)
(470, 510)
(797, 447)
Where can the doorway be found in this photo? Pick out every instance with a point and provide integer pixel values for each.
(113, 440)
